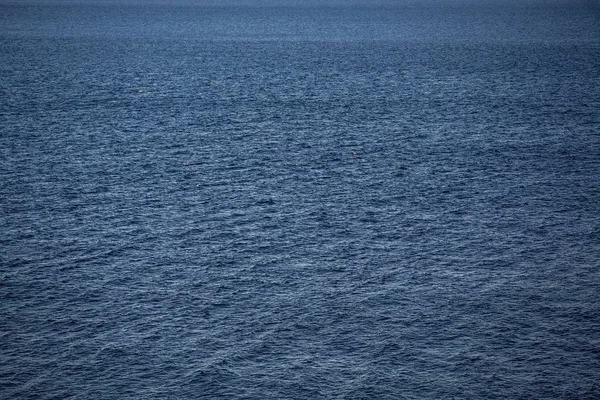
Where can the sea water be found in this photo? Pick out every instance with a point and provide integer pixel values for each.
(299, 199)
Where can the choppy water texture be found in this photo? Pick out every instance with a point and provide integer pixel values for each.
(300, 201)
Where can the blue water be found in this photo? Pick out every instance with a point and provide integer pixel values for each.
(300, 199)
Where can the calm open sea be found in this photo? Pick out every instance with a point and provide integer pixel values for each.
(300, 199)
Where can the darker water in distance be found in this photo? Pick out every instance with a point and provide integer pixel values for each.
(299, 199)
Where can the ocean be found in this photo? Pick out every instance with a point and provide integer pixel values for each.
(271, 199)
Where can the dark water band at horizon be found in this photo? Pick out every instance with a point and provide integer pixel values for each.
(312, 201)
